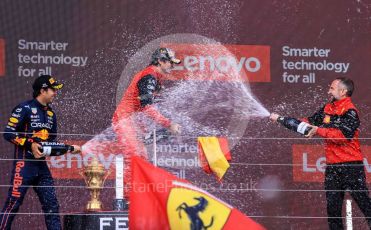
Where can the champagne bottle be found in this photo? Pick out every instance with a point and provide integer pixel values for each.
(295, 125)
(54, 148)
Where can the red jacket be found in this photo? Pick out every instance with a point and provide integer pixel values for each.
(338, 122)
(132, 100)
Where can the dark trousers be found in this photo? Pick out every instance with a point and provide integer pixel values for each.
(26, 174)
(348, 176)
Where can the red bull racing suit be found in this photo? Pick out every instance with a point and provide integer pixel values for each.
(138, 98)
(30, 122)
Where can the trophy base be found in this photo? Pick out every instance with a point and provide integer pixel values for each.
(93, 206)
(120, 205)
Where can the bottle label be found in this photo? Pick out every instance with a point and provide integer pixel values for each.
(302, 127)
(47, 150)
(52, 143)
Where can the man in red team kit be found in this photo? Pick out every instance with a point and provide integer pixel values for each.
(338, 123)
(139, 97)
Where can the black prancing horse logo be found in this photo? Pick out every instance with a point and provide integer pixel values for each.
(193, 214)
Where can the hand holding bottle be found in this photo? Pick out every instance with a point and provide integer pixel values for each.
(35, 148)
(312, 131)
(175, 128)
(273, 117)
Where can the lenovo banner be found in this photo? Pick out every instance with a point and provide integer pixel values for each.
(309, 162)
(222, 62)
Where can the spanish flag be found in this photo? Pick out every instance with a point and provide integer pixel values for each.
(214, 155)
(159, 200)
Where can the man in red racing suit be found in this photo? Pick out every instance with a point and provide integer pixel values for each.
(338, 123)
(139, 97)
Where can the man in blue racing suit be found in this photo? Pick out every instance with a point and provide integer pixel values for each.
(32, 122)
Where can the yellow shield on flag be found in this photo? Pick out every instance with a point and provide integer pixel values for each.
(190, 209)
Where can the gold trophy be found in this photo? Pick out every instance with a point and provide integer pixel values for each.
(94, 176)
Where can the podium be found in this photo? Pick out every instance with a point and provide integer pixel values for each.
(105, 220)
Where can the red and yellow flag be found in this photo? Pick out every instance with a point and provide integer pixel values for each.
(214, 155)
(159, 200)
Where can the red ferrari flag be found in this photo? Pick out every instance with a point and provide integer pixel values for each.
(159, 200)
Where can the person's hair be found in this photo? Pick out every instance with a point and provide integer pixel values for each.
(36, 93)
(156, 61)
(348, 84)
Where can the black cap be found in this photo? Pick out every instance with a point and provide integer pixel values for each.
(164, 54)
(46, 81)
